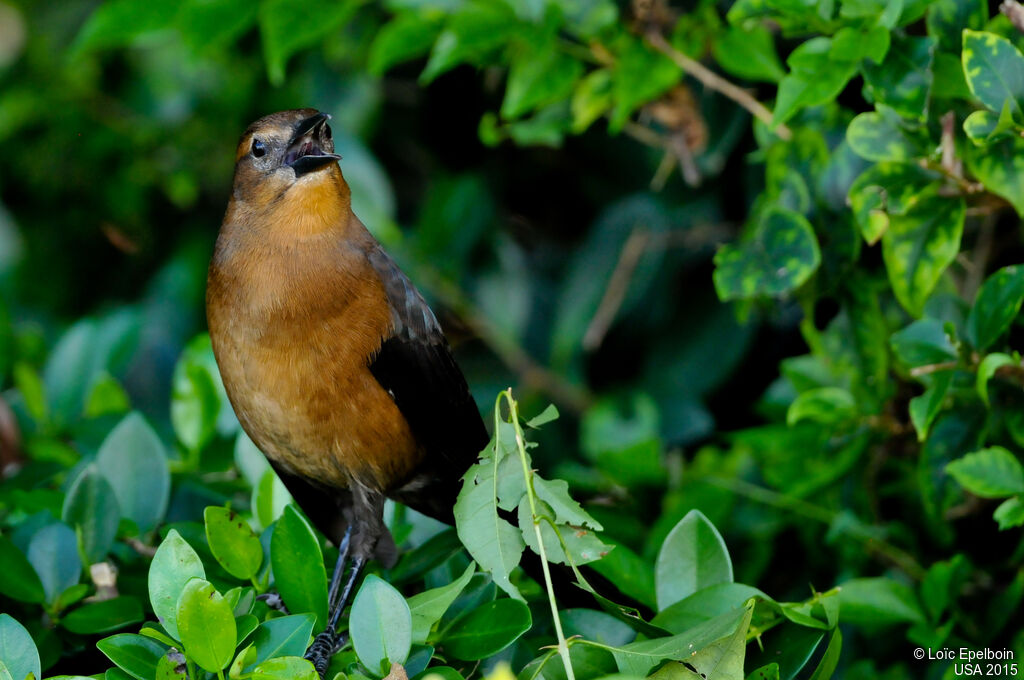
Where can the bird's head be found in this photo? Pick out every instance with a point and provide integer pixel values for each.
(284, 150)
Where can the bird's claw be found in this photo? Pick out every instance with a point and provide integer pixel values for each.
(323, 648)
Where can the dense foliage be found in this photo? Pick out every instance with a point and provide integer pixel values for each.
(763, 256)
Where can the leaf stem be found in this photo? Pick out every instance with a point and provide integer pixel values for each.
(563, 646)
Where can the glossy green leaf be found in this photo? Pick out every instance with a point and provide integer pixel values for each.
(284, 636)
(692, 557)
(638, 76)
(299, 566)
(780, 257)
(637, 658)
(994, 70)
(540, 74)
(826, 405)
(882, 136)
(591, 99)
(195, 403)
(53, 554)
(428, 607)
(487, 629)
(206, 625)
(103, 616)
(947, 20)
(996, 306)
(136, 655)
(984, 127)
(470, 33)
(830, 660)
(1000, 168)
(407, 36)
(919, 245)
(287, 26)
(17, 649)
(133, 461)
(878, 601)
(924, 408)
(173, 565)
(285, 668)
(270, 497)
(380, 625)
(32, 390)
(990, 473)
(91, 508)
(704, 605)
(749, 53)
(903, 80)
(814, 78)
(233, 542)
(20, 581)
(172, 666)
(1010, 513)
(887, 189)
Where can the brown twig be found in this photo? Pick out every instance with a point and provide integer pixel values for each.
(1014, 11)
(928, 369)
(715, 82)
(618, 284)
(140, 547)
(687, 163)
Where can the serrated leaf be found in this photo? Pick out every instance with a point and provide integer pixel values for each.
(990, 473)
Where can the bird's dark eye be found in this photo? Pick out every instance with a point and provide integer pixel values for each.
(257, 148)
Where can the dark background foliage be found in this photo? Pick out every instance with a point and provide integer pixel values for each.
(545, 215)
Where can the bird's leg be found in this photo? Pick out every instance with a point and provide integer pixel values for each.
(328, 642)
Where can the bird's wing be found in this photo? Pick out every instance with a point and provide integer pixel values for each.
(416, 366)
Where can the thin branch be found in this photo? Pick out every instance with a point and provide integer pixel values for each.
(713, 81)
(687, 163)
(928, 369)
(618, 284)
(1014, 11)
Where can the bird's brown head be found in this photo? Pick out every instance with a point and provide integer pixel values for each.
(282, 151)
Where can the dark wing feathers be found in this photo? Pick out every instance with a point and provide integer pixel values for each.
(416, 366)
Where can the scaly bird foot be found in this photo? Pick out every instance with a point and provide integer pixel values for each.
(323, 648)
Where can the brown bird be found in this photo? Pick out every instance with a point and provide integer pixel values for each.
(334, 364)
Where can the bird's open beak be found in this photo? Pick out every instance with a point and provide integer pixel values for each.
(311, 147)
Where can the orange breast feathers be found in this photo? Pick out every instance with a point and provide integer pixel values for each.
(296, 314)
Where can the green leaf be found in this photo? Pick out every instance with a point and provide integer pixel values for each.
(134, 462)
(496, 545)
(904, 80)
(591, 99)
(639, 75)
(20, 581)
(924, 408)
(122, 22)
(539, 75)
(994, 70)
(721, 660)
(91, 508)
(206, 625)
(692, 557)
(428, 607)
(878, 601)
(172, 666)
(923, 342)
(136, 655)
(583, 545)
(919, 245)
(380, 625)
(195, 403)
(53, 554)
(285, 668)
(28, 382)
(780, 257)
(637, 658)
(233, 542)
(947, 20)
(173, 565)
(705, 605)
(298, 566)
(206, 25)
(990, 473)
(829, 661)
(284, 636)
(814, 78)
(749, 53)
(287, 26)
(107, 396)
(887, 189)
(270, 498)
(984, 127)
(407, 36)
(103, 616)
(17, 650)
(472, 32)
(1000, 167)
(882, 136)
(826, 405)
(1010, 513)
(487, 629)
(996, 306)
(566, 510)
